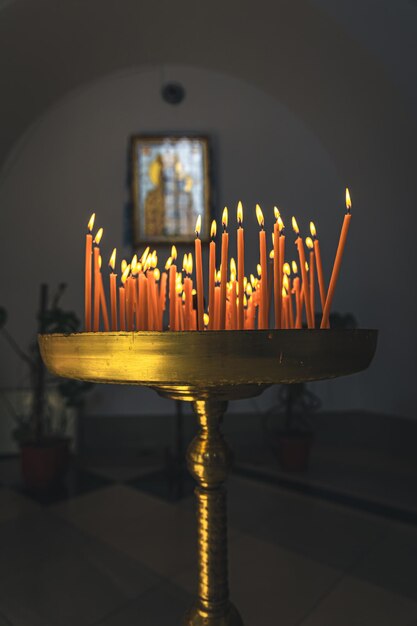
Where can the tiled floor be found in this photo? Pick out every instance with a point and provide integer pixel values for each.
(117, 556)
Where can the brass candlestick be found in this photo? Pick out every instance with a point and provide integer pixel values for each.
(208, 369)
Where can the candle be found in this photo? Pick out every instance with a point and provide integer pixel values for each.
(199, 275)
(122, 298)
(212, 274)
(87, 281)
(206, 321)
(96, 315)
(319, 265)
(290, 312)
(277, 271)
(233, 296)
(240, 265)
(216, 325)
(263, 321)
(286, 316)
(281, 252)
(103, 303)
(337, 262)
(113, 294)
(188, 289)
(142, 301)
(162, 294)
(172, 289)
(301, 256)
(310, 246)
(223, 284)
(296, 286)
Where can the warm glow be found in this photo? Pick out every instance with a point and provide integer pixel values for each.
(125, 274)
(239, 213)
(252, 281)
(294, 267)
(213, 229)
(259, 216)
(286, 269)
(307, 268)
(225, 217)
(112, 261)
(276, 213)
(286, 281)
(183, 296)
(232, 277)
(280, 224)
(99, 261)
(249, 290)
(313, 229)
(154, 260)
(168, 263)
(174, 253)
(98, 236)
(271, 254)
(218, 277)
(144, 255)
(135, 269)
(190, 263)
(198, 226)
(134, 260)
(284, 292)
(348, 201)
(206, 319)
(245, 301)
(194, 292)
(295, 226)
(309, 243)
(259, 269)
(123, 265)
(157, 274)
(91, 222)
(233, 266)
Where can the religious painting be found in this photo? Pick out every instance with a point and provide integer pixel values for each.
(170, 188)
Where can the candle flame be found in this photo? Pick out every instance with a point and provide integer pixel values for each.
(168, 263)
(98, 236)
(277, 214)
(99, 261)
(249, 290)
(134, 260)
(307, 268)
(225, 217)
(295, 226)
(232, 265)
(135, 269)
(194, 292)
(245, 301)
(90, 224)
(309, 243)
(313, 229)
(239, 213)
(198, 226)
(271, 254)
(190, 263)
(294, 267)
(218, 276)
(123, 265)
(286, 269)
(154, 260)
(280, 224)
(259, 269)
(125, 274)
(206, 319)
(259, 216)
(252, 280)
(144, 255)
(213, 229)
(284, 292)
(185, 263)
(286, 281)
(157, 273)
(183, 296)
(112, 261)
(348, 201)
(174, 253)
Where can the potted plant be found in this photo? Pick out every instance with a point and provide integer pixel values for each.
(43, 442)
(292, 441)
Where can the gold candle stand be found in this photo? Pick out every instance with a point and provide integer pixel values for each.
(208, 369)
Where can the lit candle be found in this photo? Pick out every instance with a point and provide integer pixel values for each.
(319, 265)
(240, 265)
(172, 289)
(296, 287)
(233, 296)
(103, 303)
(290, 312)
(96, 315)
(206, 321)
(223, 284)
(301, 254)
(188, 289)
(163, 292)
(263, 321)
(87, 282)
(338, 262)
(199, 275)
(281, 252)
(143, 301)
(113, 294)
(122, 297)
(216, 325)
(277, 271)
(312, 278)
(212, 274)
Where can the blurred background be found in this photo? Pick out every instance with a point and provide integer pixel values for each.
(299, 100)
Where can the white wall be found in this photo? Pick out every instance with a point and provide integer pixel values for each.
(73, 161)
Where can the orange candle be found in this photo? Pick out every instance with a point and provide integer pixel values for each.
(223, 284)
(212, 274)
(172, 289)
(281, 252)
(285, 308)
(296, 287)
(288, 303)
(233, 296)
(216, 325)
(263, 322)
(337, 263)
(240, 266)
(122, 299)
(301, 255)
(319, 265)
(113, 293)
(103, 303)
(277, 271)
(199, 275)
(88, 274)
(162, 295)
(96, 315)
(188, 290)
(142, 302)
(312, 278)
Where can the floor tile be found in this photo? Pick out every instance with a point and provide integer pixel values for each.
(164, 605)
(392, 563)
(13, 505)
(73, 580)
(354, 602)
(160, 535)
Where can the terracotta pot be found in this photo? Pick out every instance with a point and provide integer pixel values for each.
(293, 450)
(44, 465)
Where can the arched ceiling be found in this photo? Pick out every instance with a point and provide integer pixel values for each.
(296, 51)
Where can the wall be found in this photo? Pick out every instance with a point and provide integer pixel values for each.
(73, 161)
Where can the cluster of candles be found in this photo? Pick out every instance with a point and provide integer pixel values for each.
(280, 295)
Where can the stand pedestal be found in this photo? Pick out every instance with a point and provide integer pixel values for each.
(208, 369)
